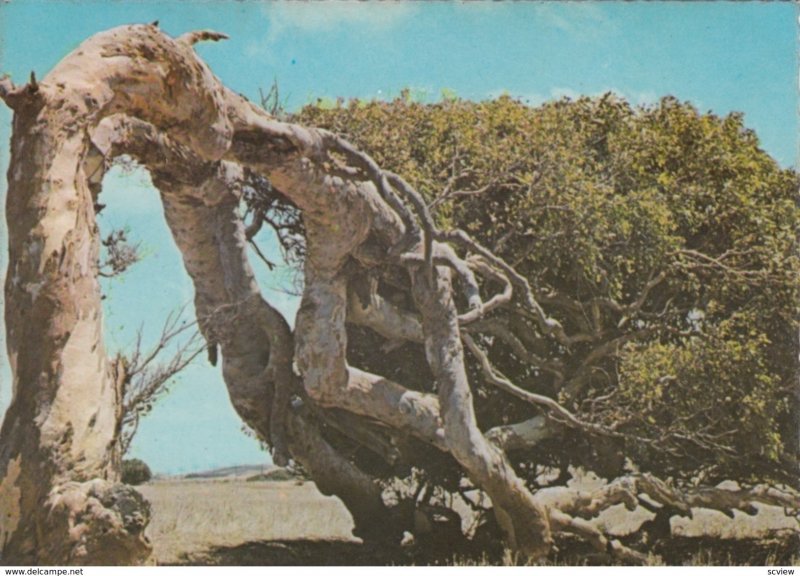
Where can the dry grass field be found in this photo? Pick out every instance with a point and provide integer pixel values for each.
(193, 516)
(230, 521)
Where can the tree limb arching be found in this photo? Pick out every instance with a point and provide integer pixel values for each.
(110, 97)
(134, 90)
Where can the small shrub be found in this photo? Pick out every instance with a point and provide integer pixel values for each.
(276, 475)
(135, 472)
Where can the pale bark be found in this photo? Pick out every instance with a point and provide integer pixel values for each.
(133, 90)
(522, 518)
(58, 444)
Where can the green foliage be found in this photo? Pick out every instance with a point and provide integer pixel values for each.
(662, 237)
(135, 472)
(716, 390)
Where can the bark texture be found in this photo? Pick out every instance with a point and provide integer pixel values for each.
(133, 90)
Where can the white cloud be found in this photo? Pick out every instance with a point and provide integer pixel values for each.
(320, 16)
(646, 97)
(582, 20)
(293, 17)
(636, 98)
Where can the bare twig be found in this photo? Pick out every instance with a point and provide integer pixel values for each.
(428, 226)
(498, 300)
(121, 255)
(562, 414)
(445, 255)
(260, 254)
(546, 324)
(497, 327)
(376, 174)
(146, 378)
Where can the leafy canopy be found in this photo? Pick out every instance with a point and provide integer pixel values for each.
(662, 239)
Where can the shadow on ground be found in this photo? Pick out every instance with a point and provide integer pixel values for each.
(320, 553)
(779, 550)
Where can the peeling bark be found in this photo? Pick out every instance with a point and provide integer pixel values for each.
(523, 519)
(133, 90)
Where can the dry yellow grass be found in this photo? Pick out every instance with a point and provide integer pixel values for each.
(190, 516)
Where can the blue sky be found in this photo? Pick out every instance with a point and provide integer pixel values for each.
(722, 56)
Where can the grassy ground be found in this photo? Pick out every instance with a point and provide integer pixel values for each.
(234, 522)
(194, 516)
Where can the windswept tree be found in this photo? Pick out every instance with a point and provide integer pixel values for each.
(661, 239)
(144, 374)
(580, 269)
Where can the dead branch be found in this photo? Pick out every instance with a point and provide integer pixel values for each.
(199, 140)
(549, 326)
(522, 435)
(499, 300)
(580, 527)
(499, 328)
(147, 376)
(192, 38)
(121, 255)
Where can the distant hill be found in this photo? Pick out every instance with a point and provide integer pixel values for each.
(231, 471)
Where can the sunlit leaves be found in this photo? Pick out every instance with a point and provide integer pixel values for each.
(595, 200)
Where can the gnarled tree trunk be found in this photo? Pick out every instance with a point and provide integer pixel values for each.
(133, 90)
(61, 498)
